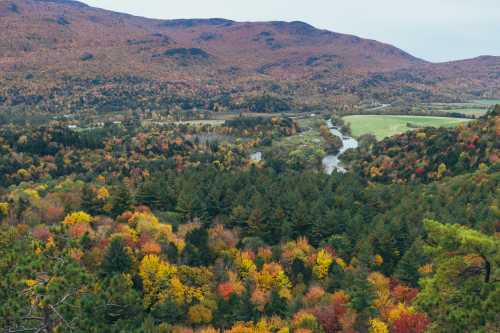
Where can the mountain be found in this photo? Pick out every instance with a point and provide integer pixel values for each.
(61, 55)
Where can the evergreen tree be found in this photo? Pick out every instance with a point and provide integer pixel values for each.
(116, 259)
(361, 294)
(86, 242)
(227, 311)
(462, 294)
(146, 195)
(197, 252)
(246, 310)
(168, 311)
(121, 200)
(59, 161)
(278, 306)
(412, 260)
(189, 203)
(90, 203)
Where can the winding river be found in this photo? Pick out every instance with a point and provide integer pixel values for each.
(332, 162)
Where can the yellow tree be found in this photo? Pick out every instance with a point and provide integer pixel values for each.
(378, 326)
(156, 276)
(78, 217)
(323, 261)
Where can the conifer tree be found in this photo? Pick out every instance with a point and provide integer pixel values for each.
(89, 201)
(116, 260)
(121, 200)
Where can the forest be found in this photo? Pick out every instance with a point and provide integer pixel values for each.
(215, 176)
(136, 227)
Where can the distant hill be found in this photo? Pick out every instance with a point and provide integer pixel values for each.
(64, 56)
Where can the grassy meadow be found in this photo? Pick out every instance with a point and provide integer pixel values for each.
(383, 126)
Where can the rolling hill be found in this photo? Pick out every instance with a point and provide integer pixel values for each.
(63, 56)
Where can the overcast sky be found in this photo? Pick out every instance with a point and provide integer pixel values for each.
(435, 30)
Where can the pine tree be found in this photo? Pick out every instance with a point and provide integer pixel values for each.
(146, 195)
(89, 202)
(197, 252)
(407, 268)
(465, 267)
(361, 298)
(122, 200)
(277, 306)
(168, 311)
(190, 205)
(59, 161)
(116, 260)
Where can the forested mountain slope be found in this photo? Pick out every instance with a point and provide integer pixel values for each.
(64, 56)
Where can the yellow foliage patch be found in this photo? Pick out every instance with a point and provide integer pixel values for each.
(378, 326)
(323, 261)
(102, 193)
(398, 310)
(78, 217)
(4, 209)
(378, 260)
(156, 275)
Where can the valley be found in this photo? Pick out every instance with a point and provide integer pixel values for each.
(216, 176)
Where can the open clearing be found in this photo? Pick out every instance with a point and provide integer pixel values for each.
(384, 126)
(472, 108)
(309, 137)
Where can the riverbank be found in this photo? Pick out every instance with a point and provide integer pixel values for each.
(332, 162)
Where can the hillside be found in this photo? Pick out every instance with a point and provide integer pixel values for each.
(60, 56)
(152, 229)
(429, 154)
(131, 200)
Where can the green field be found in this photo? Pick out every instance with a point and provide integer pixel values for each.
(384, 126)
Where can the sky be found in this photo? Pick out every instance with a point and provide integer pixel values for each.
(434, 30)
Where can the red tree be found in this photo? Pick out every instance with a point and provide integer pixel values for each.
(329, 316)
(225, 290)
(410, 323)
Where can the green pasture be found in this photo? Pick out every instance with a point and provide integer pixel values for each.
(383, 126)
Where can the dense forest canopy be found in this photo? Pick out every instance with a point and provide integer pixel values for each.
(171, 228)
